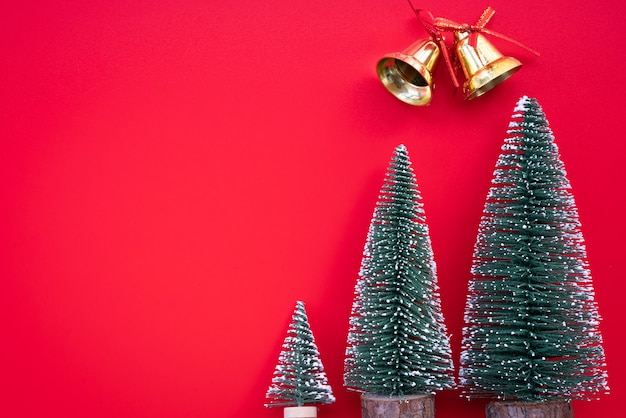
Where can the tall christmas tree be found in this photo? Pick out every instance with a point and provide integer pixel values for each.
(299, 378)
(397, 342)
(532, 325)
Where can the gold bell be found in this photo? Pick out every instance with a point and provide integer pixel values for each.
(408, 75)
(484, 66)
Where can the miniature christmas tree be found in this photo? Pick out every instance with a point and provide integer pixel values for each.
(398, 343)
(532, 325)
(299, 378)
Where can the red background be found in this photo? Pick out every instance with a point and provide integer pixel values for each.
(176, 174)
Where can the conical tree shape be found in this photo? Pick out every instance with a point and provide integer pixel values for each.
(299, 378)
(397, 342)
(532, 325)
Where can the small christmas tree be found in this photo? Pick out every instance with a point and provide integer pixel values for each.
(299, 378)
(397, 342)
(532, 325)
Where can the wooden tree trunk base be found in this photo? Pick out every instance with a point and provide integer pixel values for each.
(410, 406)
(300, 412)
(556, 409)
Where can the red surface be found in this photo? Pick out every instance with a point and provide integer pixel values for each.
(175, 174)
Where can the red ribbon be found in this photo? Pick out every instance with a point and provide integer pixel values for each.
(448, 25)
(428, 21)
(435, 26)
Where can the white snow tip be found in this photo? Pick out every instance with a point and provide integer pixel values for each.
(522, 104)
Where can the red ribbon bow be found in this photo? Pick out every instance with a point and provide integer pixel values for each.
(435, 26)
(448, 25)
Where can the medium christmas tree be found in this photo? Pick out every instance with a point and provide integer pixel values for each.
(532, 325)
(397, 342)
(299, 378)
